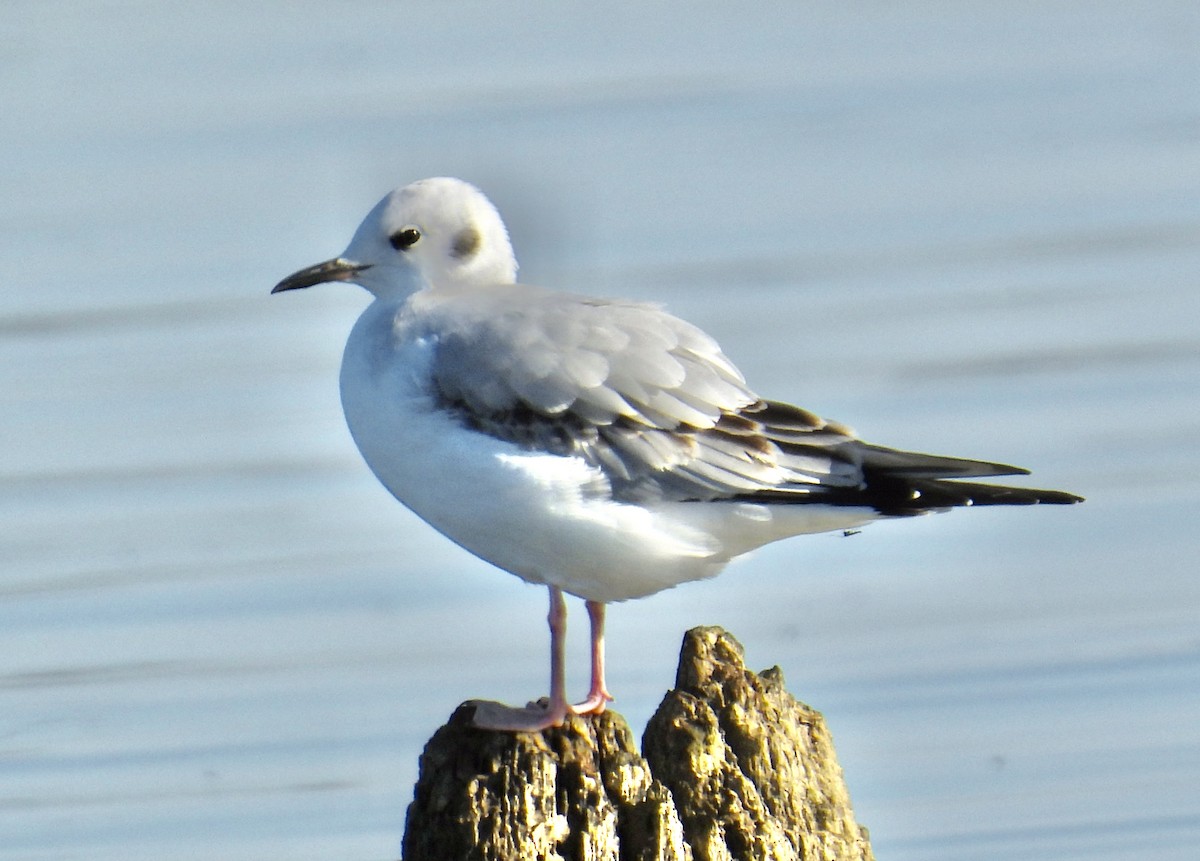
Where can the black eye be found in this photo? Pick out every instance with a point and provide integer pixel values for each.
(405, 238)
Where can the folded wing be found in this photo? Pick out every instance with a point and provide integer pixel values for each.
(657, 408)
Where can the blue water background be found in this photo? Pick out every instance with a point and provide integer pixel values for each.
(958, 228)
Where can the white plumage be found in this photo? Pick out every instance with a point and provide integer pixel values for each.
(603, 448)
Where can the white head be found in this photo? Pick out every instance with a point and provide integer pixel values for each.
(438, 233)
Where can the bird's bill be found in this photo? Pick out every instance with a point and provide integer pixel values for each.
(337, 269)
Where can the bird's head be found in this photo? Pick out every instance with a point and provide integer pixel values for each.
(438, 233)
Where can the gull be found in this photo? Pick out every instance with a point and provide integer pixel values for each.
(602, 448)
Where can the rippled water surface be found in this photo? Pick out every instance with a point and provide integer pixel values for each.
(957, 229)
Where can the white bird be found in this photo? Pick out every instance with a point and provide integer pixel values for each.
(599, 447)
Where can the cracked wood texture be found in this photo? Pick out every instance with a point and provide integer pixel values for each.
(734, 768)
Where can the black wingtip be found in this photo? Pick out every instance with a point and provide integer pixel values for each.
(917, 465)
(1058, 497)
(935, 494)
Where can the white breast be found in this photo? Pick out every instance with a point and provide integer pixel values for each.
(535, 515)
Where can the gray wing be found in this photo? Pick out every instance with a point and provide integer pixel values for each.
(599, 361)
(652, 402)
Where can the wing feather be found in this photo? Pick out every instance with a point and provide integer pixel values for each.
(520, 346)
(655, 406)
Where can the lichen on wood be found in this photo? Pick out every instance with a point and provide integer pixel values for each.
(752, 770)
(734, 768)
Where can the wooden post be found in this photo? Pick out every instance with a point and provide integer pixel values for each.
(734, 768)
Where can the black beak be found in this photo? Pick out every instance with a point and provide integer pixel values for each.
(337, 269)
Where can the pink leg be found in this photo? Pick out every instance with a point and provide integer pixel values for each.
(538, 716)
(598, 696)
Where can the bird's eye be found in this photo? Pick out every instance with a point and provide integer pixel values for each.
(405, 238)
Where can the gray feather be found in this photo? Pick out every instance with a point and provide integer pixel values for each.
(654, 405)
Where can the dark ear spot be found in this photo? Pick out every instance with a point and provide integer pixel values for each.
(466, 242)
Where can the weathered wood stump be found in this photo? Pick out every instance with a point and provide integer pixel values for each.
(734, 768)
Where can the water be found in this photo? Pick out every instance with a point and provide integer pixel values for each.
(958, 229)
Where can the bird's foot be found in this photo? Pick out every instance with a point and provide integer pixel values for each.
(535, 717)
(597, 700)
